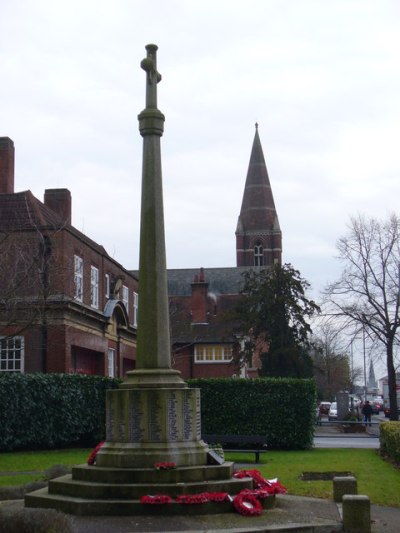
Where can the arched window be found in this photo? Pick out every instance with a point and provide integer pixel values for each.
(258, 255)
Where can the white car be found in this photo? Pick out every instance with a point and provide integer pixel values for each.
(332, 415)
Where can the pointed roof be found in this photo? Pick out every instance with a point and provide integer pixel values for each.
(258, 208)
(371, 377)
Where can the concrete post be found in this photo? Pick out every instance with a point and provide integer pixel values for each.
(343, 485)
(356, 513)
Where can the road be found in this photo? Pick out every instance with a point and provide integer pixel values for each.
(346, 442)
(330, 436)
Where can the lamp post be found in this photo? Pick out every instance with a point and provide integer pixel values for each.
(365, 368)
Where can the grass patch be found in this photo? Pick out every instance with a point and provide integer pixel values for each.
(23, 479)
(376, 477)
(42, 460)
(37, 462)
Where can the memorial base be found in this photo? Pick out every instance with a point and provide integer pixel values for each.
(93, 490)
(145, 426)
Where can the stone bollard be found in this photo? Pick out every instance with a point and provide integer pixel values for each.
(343, 485)
(356, 513)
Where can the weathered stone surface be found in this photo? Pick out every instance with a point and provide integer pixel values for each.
(343, 485)
(145, 426)
(356, 513)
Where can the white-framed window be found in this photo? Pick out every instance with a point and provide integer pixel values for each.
(78, 278)
(258, 255)
(12, 354)
(212, 353)
(135, 308)
(94, 286)
(125, 297)
(107, 285)
(111, 362)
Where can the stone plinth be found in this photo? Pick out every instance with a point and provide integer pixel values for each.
(146, 426)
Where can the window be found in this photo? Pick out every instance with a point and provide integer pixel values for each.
(12, 354)
(212, 353)
(94, 287)
(125, 297)
(258, 255)
(135, 308)
(107, 280)
(78, 277)
(111, 361)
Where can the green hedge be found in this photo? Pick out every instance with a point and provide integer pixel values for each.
(283, 409)
(390, 440)
(52, 410)
(55, 410)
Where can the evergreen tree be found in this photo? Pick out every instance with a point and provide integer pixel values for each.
(272, 317)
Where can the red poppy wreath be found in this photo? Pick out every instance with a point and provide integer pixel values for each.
(247, 504)
(92, 457)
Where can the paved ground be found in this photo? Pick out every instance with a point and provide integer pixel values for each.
(292, 513)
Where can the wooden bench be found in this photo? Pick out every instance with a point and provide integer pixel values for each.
(237, 443)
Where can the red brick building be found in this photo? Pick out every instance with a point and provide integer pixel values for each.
(65, 304)
(201, 301)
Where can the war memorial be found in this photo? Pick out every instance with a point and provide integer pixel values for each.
(153, 424)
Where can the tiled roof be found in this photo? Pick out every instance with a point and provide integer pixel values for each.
(205, 333)
(21, 211)
(227, 280)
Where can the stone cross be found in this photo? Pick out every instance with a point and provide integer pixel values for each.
(149, 64)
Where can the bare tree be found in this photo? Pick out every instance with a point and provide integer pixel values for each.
(32, 279)
(331, 364)
(367, 295)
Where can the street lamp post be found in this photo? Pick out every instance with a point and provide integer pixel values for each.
(365, 368)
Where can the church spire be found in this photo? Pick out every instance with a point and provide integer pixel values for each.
(258, 234)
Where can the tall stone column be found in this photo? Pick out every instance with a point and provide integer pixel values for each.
(153, 359)
(153, 416)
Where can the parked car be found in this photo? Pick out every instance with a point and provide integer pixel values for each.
(377, 406)
(354, 402)
(324, 408)
(332, 415)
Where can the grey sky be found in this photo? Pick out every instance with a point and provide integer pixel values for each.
(320, 77)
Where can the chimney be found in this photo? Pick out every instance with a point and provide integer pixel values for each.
(59, 201)
(199, 299)
(6, 165)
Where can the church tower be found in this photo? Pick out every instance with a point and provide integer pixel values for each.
(258, 234)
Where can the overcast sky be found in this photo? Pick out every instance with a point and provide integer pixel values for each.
(320, 77)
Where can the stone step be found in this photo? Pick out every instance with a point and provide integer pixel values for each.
(124, 507)
(151, 475)
(68, 486)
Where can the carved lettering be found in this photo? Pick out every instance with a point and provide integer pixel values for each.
(135, 418)
(154, 418)
(171, 417)
(187, 417)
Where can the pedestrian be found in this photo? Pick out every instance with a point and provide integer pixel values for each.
(367, 412)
